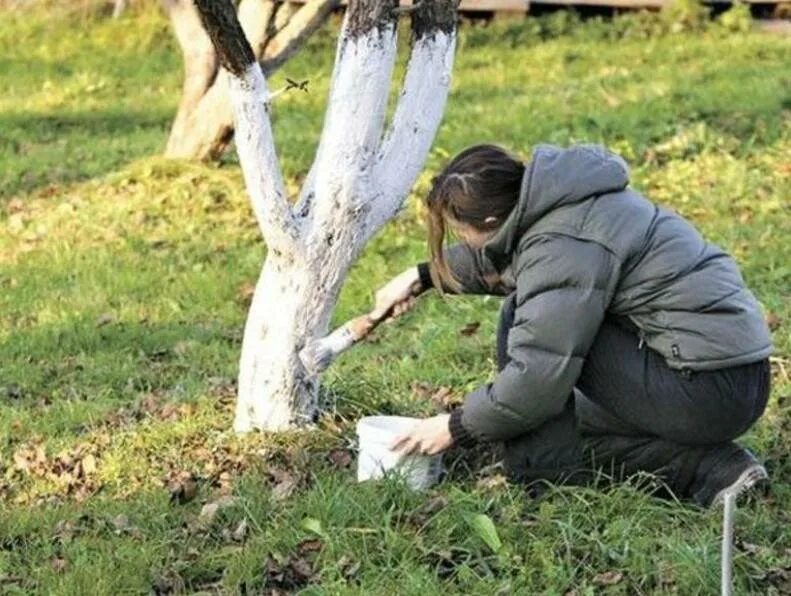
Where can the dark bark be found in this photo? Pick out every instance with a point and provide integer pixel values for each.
(221, 23)
(366, 15)
(430, 16)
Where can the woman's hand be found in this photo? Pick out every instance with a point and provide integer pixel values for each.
(398, 294)
(428, 437)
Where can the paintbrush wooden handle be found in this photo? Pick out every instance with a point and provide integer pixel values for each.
(363, 325)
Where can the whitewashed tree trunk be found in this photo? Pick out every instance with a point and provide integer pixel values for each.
(359, 180)
(269, 364)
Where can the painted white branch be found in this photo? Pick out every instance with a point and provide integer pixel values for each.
(415, 123)
(354, 121)
(258, 158)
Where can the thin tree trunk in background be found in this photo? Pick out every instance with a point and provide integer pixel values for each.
(200, 66)
(203, 126)
(119, 7)
(359, 180)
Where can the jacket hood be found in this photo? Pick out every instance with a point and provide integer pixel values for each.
(553, 178)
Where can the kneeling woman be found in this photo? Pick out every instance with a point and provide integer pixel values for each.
(626, 342)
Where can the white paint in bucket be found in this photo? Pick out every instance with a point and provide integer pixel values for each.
(376, 433)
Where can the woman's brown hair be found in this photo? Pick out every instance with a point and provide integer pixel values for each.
(479, 188)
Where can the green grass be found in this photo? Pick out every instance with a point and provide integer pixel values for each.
(122, 283)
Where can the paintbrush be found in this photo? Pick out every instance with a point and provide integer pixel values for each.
(318, 354)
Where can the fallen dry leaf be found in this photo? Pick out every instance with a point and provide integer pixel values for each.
(309, 546)
(422, 389)
(349, 567)
(208, 512)
(64, 530)
(302, 567)
(31, 459)
(121, 522)
(287, 574)
(88, 465)
(284, 479)
(340, 458)
(105, 319)
(284, 489)
(183, 347)
(422, 514)
(184, 489)
(470, 328)
(607, 578)
(15, 206)
(168, 582)
(773, 321)
(223, 388)
(244, 294)
(240, 533)
(779, 578)
(150, 403)
(490, 482)
(441, 396)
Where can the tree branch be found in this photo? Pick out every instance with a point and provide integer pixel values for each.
(356, 109)
(254, 141)
(299, 28)
(420, 106)
(282, 16)
(255, 16)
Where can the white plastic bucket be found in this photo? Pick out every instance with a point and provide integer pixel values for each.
(376, 433)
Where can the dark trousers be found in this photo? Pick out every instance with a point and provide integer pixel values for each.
(630, 412)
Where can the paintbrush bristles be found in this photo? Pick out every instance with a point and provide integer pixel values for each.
(318, 354)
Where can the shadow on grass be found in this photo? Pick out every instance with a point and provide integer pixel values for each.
(38, 126)
(42, 149)
(111, 361)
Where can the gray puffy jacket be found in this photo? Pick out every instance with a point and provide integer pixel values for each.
(578, 245)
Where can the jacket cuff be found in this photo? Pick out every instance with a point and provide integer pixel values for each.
(425, 276)
(461, 436)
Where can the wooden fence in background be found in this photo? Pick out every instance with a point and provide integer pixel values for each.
(523, 6)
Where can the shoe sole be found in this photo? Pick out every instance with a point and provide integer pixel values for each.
(747, 480)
